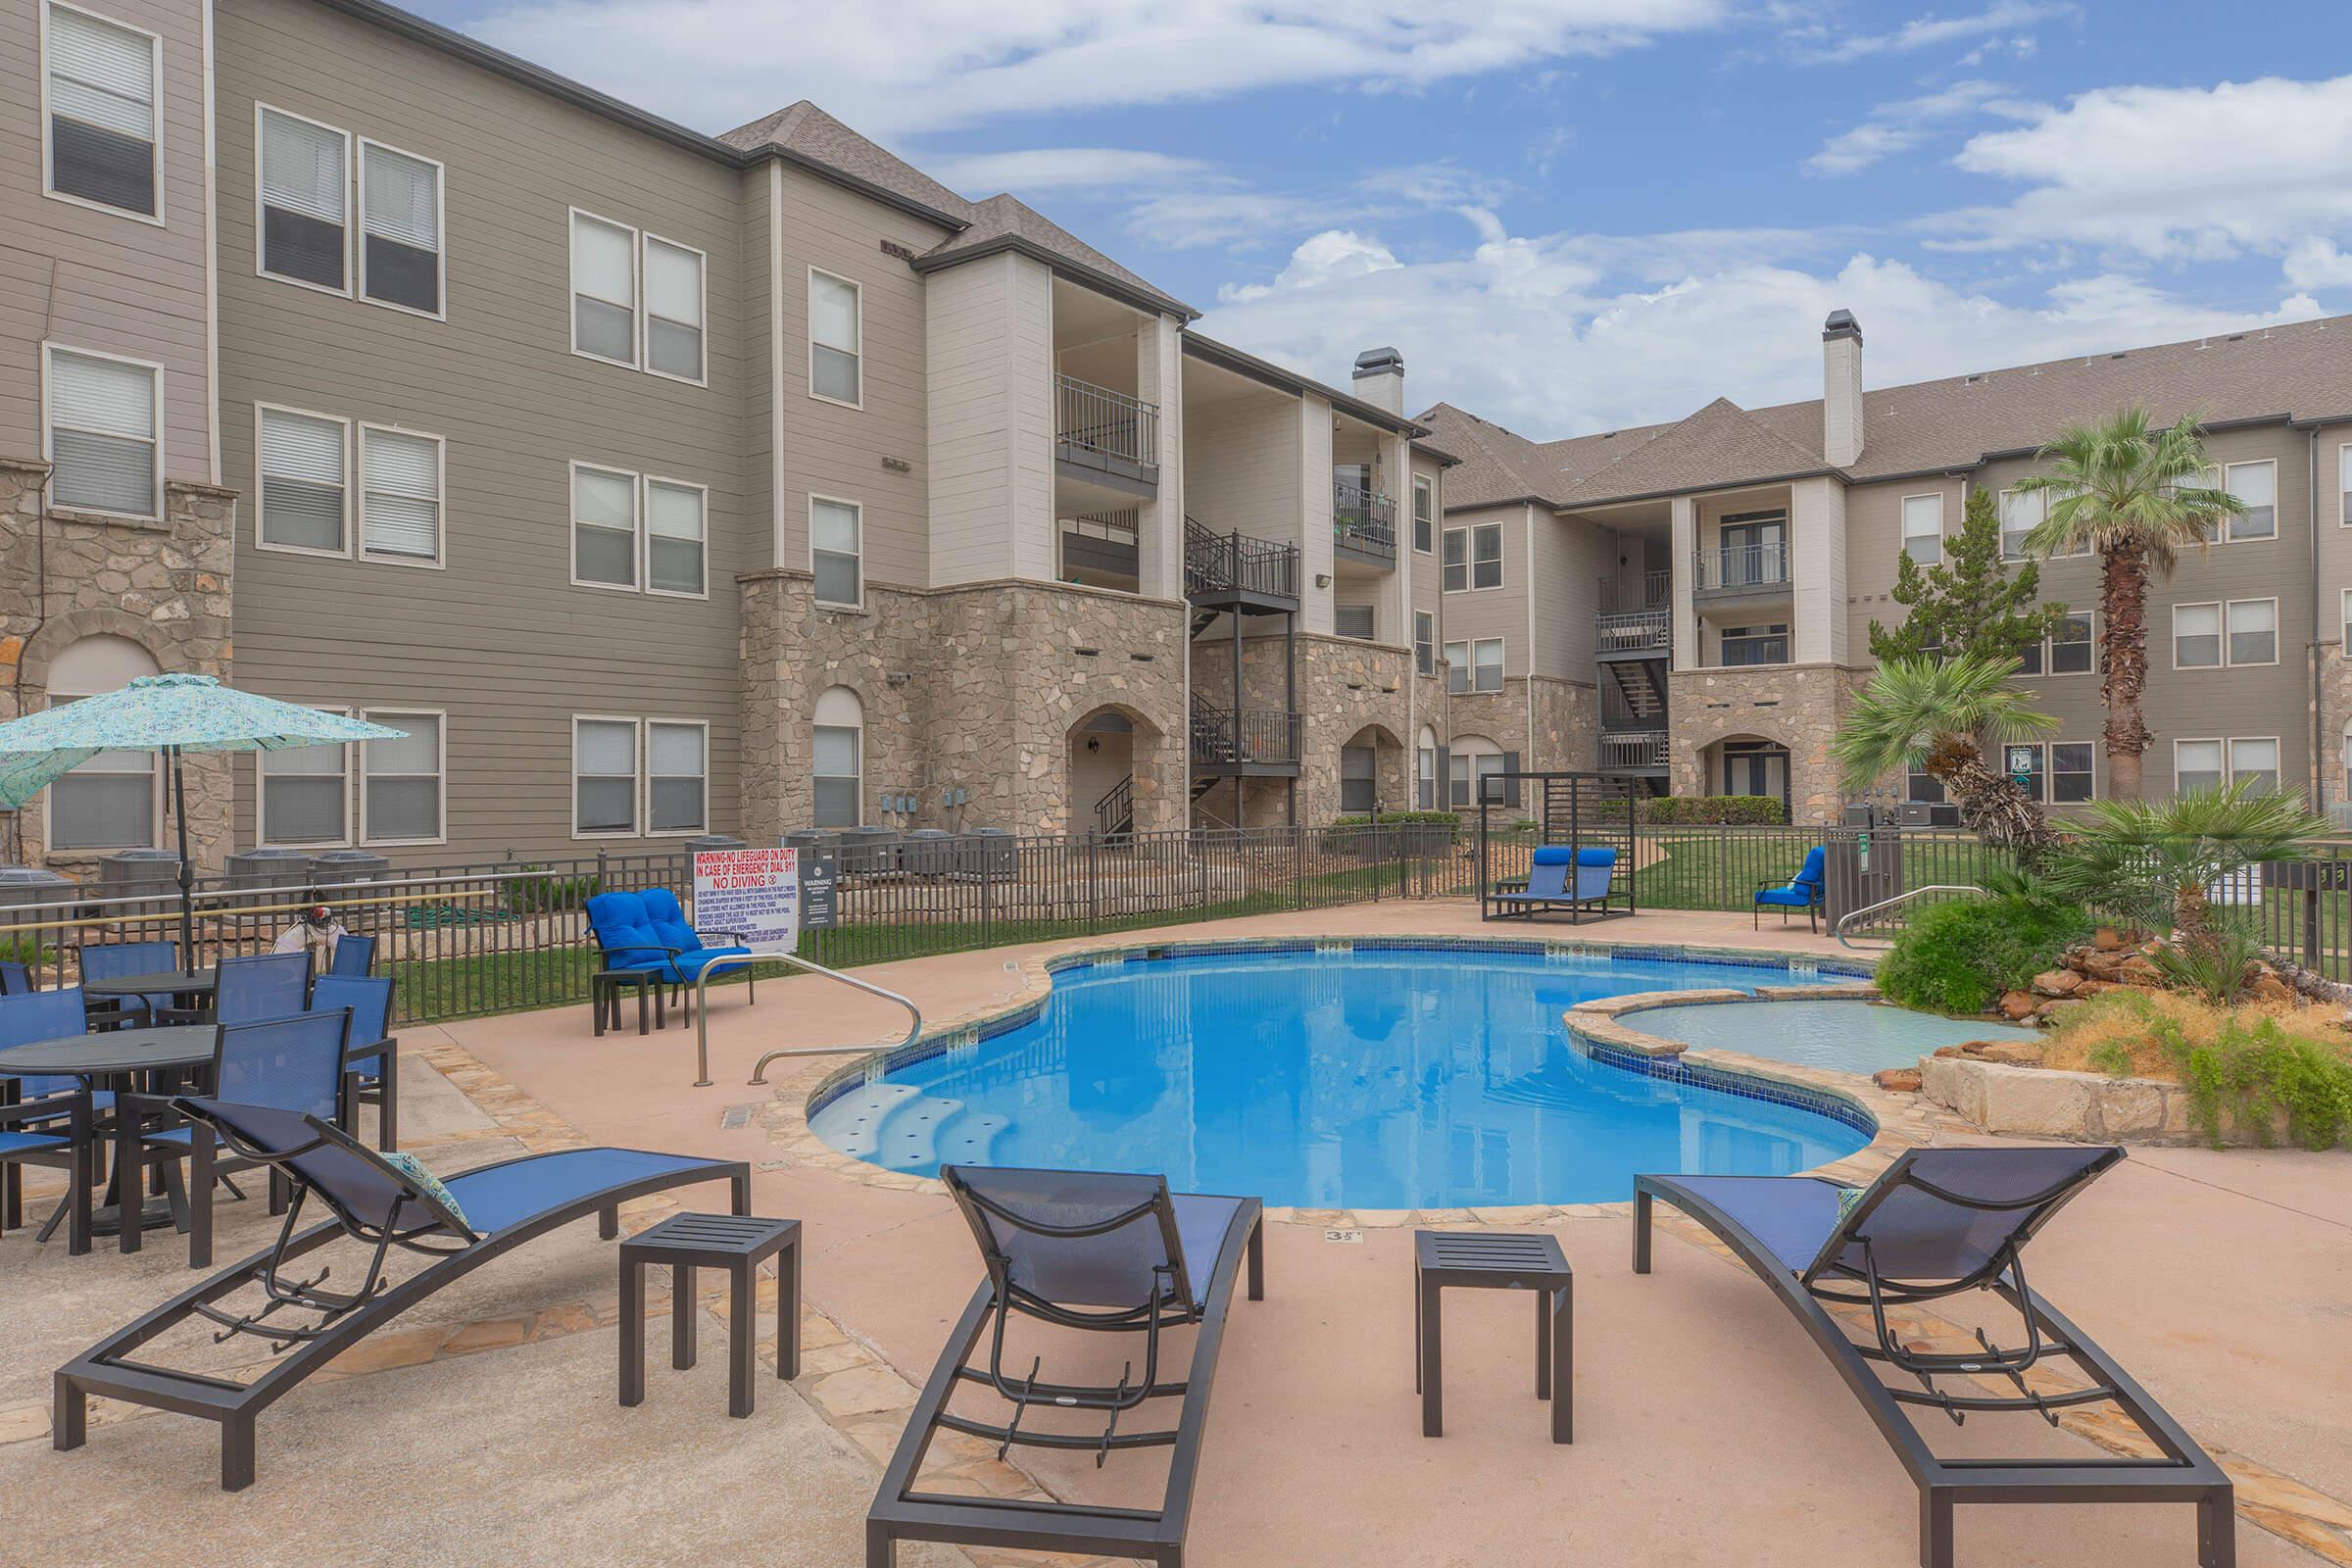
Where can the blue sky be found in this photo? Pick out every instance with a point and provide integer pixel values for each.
(1573, 215)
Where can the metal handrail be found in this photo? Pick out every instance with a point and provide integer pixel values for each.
(1118, 424)
(701, 1014)
(1851, 915)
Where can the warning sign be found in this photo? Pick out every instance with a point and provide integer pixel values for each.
(753, 893)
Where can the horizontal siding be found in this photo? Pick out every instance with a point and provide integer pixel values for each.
(1491, 612)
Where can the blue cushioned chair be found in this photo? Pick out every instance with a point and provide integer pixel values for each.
(1561, 876)
(648, 930)
(353, 956)
(372, 1057)
(112, 960)
(49, 1122)
(1801, 892)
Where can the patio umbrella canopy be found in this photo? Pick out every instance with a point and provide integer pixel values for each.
(172, 714)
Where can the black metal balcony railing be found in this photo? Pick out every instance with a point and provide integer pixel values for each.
(1763, 648)
(1235, 562)
(1654, 591)
(1110, 424)
(1633, 631)
(1622, 750)
(1245, 735)
(1742, 566)
(1363, 520)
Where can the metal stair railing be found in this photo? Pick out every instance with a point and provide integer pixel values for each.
(701, 1014)
(1851, 917)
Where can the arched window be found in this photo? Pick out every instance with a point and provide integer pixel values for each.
(1471, 759)
(1426, 771)
(110, 802)
(838, 729)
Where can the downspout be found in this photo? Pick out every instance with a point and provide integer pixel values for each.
(40, 552)
(2310, 498)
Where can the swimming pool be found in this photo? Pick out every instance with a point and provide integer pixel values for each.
(1847, 1036)
(1397, 1077)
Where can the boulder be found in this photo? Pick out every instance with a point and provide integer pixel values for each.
(2270, 987)
(2100, 965)
(2008, 1052)
(1951, 1050)
(2107, 939)
(2017, 1004)
(2047, 1104)
(2092, 988)
(1902, 1080)
(2139, 972)
(2057, 983)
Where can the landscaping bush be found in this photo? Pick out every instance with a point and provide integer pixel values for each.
(1752, 811)
(1959, 958)
(2245, 1064)
(1392, 818)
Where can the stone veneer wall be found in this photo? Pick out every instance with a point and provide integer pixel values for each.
(1567, 725)
(977, 687)
(2335, 713)
(166, 586)
(1343, 687)
(1798, 706)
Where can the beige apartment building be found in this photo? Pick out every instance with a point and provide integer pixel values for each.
(1689, 603)
(654, 484)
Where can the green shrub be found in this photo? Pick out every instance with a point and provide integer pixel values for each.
(26, 949)
(2243, 1064)
(1959, 958)
(1758, 810)
(1392, 818)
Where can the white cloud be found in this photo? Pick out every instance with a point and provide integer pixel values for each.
(1062, 169)
(1899, 127)
(923, 65)
(2316, 263)
(1334, 256)
(1242, 218)
(1933, 32)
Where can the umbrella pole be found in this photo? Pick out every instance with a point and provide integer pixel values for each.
(188, 871)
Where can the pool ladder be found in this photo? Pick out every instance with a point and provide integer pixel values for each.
(1851, 917)
(702, 1015)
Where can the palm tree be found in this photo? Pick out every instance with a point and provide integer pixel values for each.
(1939, 716)
(2137, 495)
(2153, 861)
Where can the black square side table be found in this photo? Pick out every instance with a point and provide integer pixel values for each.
(738, 1243)
(1495, 1260)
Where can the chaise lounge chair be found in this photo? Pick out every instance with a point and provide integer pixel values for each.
(1938, 1222)
(458, 1225)
(1085, 1251)
(1549, 883)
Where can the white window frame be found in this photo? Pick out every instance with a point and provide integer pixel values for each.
(1445, 655)
(1903, 525)
(2050, 646)
(1425, 640)
(156, 102)
(439, 561)
(1472, 559)
(645, 776)
(1372, 631)
(386, 717)
(2002, 504)
(357, 229)
(2230, 524)
(808, 318)
(572, 781)
(702, 281)
(571, 296)
(1502, 666)
(572, 515)
(2049, 772)
(261, 250)
(351, 484)
(2343, 485)
(2344, 628)
(262, 838)
(2220, 618)
(2277, 767)
(158, 790)
(857, 730)
(50, 349)
(2199, 740)
(857, 507)
(645, 543)
(1462, 533)
(1423, 485)
(2229, 653)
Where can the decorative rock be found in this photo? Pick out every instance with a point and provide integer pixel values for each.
(2268, 987)
(2139, 972)
(2106, 939)
(1901, 1080)
(2057, 983)
(2017, 1004)
(2008, 1053)
(2045, 1105)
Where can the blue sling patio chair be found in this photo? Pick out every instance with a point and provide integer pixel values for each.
(50, 1122)
(15, 979)
(352, 955)
(250, 987)
(371, 1057)
(382, 1202)
(648, 930)
(113, 961)
(1092, 1252)
(1938, 1222)
(1561, 876)
(1802, 891)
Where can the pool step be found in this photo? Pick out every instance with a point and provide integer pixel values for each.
(853, 1123)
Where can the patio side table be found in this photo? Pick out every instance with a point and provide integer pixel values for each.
(738, 1243)
(604, 995)
(1489, 1261)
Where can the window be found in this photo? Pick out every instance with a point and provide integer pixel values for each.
(837, 758)
(102, 434)
(1755, 645)
(2255, 762)
(604, 776)
(2070, 647)
(604, 527)
(2197, 765)
(1486, 556)
(1925, 789)
(2345, 603)
(2196, 636)
(1486, 663)
(2072, 771)
(1426, 771)
(1352, 620)
(1359, 781)
(305, 178)
(604, 289)
(306, 795)
(2026, 765)
(2252, 626)
(1425, 639)
(673, 537)
(673, 310)
(399, 496)
(836, 339)
(2021, 512)
(1472, 761)
(2256, 487)
(304, 501)
(836, 530)
(400, 221)
(1454, 574)
(2343, 485)
(401, 782)
(677, 788)
(104, 81)
(1923, 530)
(1425, 510)
(110, 801)
(1457, 667)
(2202, 765)
(2253, 631)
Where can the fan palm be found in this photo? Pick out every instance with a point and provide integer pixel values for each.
(2135, 494)
(2154, 860)
(1938, 716)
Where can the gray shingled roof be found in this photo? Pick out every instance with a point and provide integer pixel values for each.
(808, 132)
(1721, 444)
(1005, 222)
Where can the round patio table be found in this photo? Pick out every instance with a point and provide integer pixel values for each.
(121, 1054)
(164, 982)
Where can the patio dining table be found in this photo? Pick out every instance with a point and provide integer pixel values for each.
(116, 1061)
(180, 984)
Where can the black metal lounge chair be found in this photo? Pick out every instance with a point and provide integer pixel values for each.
(1937, 1222)
(381, 1206)
(1087, 1250)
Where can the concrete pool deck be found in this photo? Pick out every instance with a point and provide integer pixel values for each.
(1708, 1430)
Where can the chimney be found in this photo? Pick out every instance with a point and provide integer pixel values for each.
(1840, 388)
(1380, 379)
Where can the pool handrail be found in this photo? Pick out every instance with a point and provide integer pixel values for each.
(1850, 916)
(701, 1014)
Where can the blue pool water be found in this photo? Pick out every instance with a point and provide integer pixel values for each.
(1847, 1036)
(1422, 1078)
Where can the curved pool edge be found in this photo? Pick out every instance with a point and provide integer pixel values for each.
(1894, 1122)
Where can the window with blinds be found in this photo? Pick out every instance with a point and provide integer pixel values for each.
(673, 537)
(673, 310)
(102, 435)
(604, 289)
(102, 85)
(305, 180)
(603, 775)
(677, 791)
(304, 499)
(835, 338)
(401, 783)
(306, 795)
(400, 495)
(834, 552)
(400, 214)
(604, 527)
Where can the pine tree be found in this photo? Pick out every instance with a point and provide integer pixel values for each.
(1971, 605)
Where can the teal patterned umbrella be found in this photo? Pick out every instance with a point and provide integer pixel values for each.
(172, 714)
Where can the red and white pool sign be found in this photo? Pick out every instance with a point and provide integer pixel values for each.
(753, 893)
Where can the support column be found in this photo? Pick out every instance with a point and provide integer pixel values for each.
(1685, 530)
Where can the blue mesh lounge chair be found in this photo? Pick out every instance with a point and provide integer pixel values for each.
(112, 960)
(372, 1057)
(353, 956)
(1938, 1222)
(1084, 1251)
(1802, 891)
(490, 1211)
(648, 930)
(46, 1121)
(1561, 877)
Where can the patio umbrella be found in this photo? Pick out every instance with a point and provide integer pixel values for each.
(172, 714)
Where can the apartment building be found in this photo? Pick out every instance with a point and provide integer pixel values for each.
(654, 484)
(1689, 603)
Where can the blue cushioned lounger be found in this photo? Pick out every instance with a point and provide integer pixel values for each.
(1560, 876)
(373, 1202)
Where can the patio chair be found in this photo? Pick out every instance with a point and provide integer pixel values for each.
(1089, 1252)
(371, 1057)
(1560, 876)
(251, 987)
(15, 979)
(112, 960)
(457, 1225)
(648, 930)
(1803, 891)
(352, 955)
(1939, 1222)
(50, 1122)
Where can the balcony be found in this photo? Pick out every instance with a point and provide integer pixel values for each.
(1633, 634)
(1233, 571)
(1106, 437)
(1633, 751)
(1249, 741)
(1736, 571)
(1363, 525)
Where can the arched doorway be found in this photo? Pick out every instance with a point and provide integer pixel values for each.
(1371, 772)
(1750, 764)
(1115, 759)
